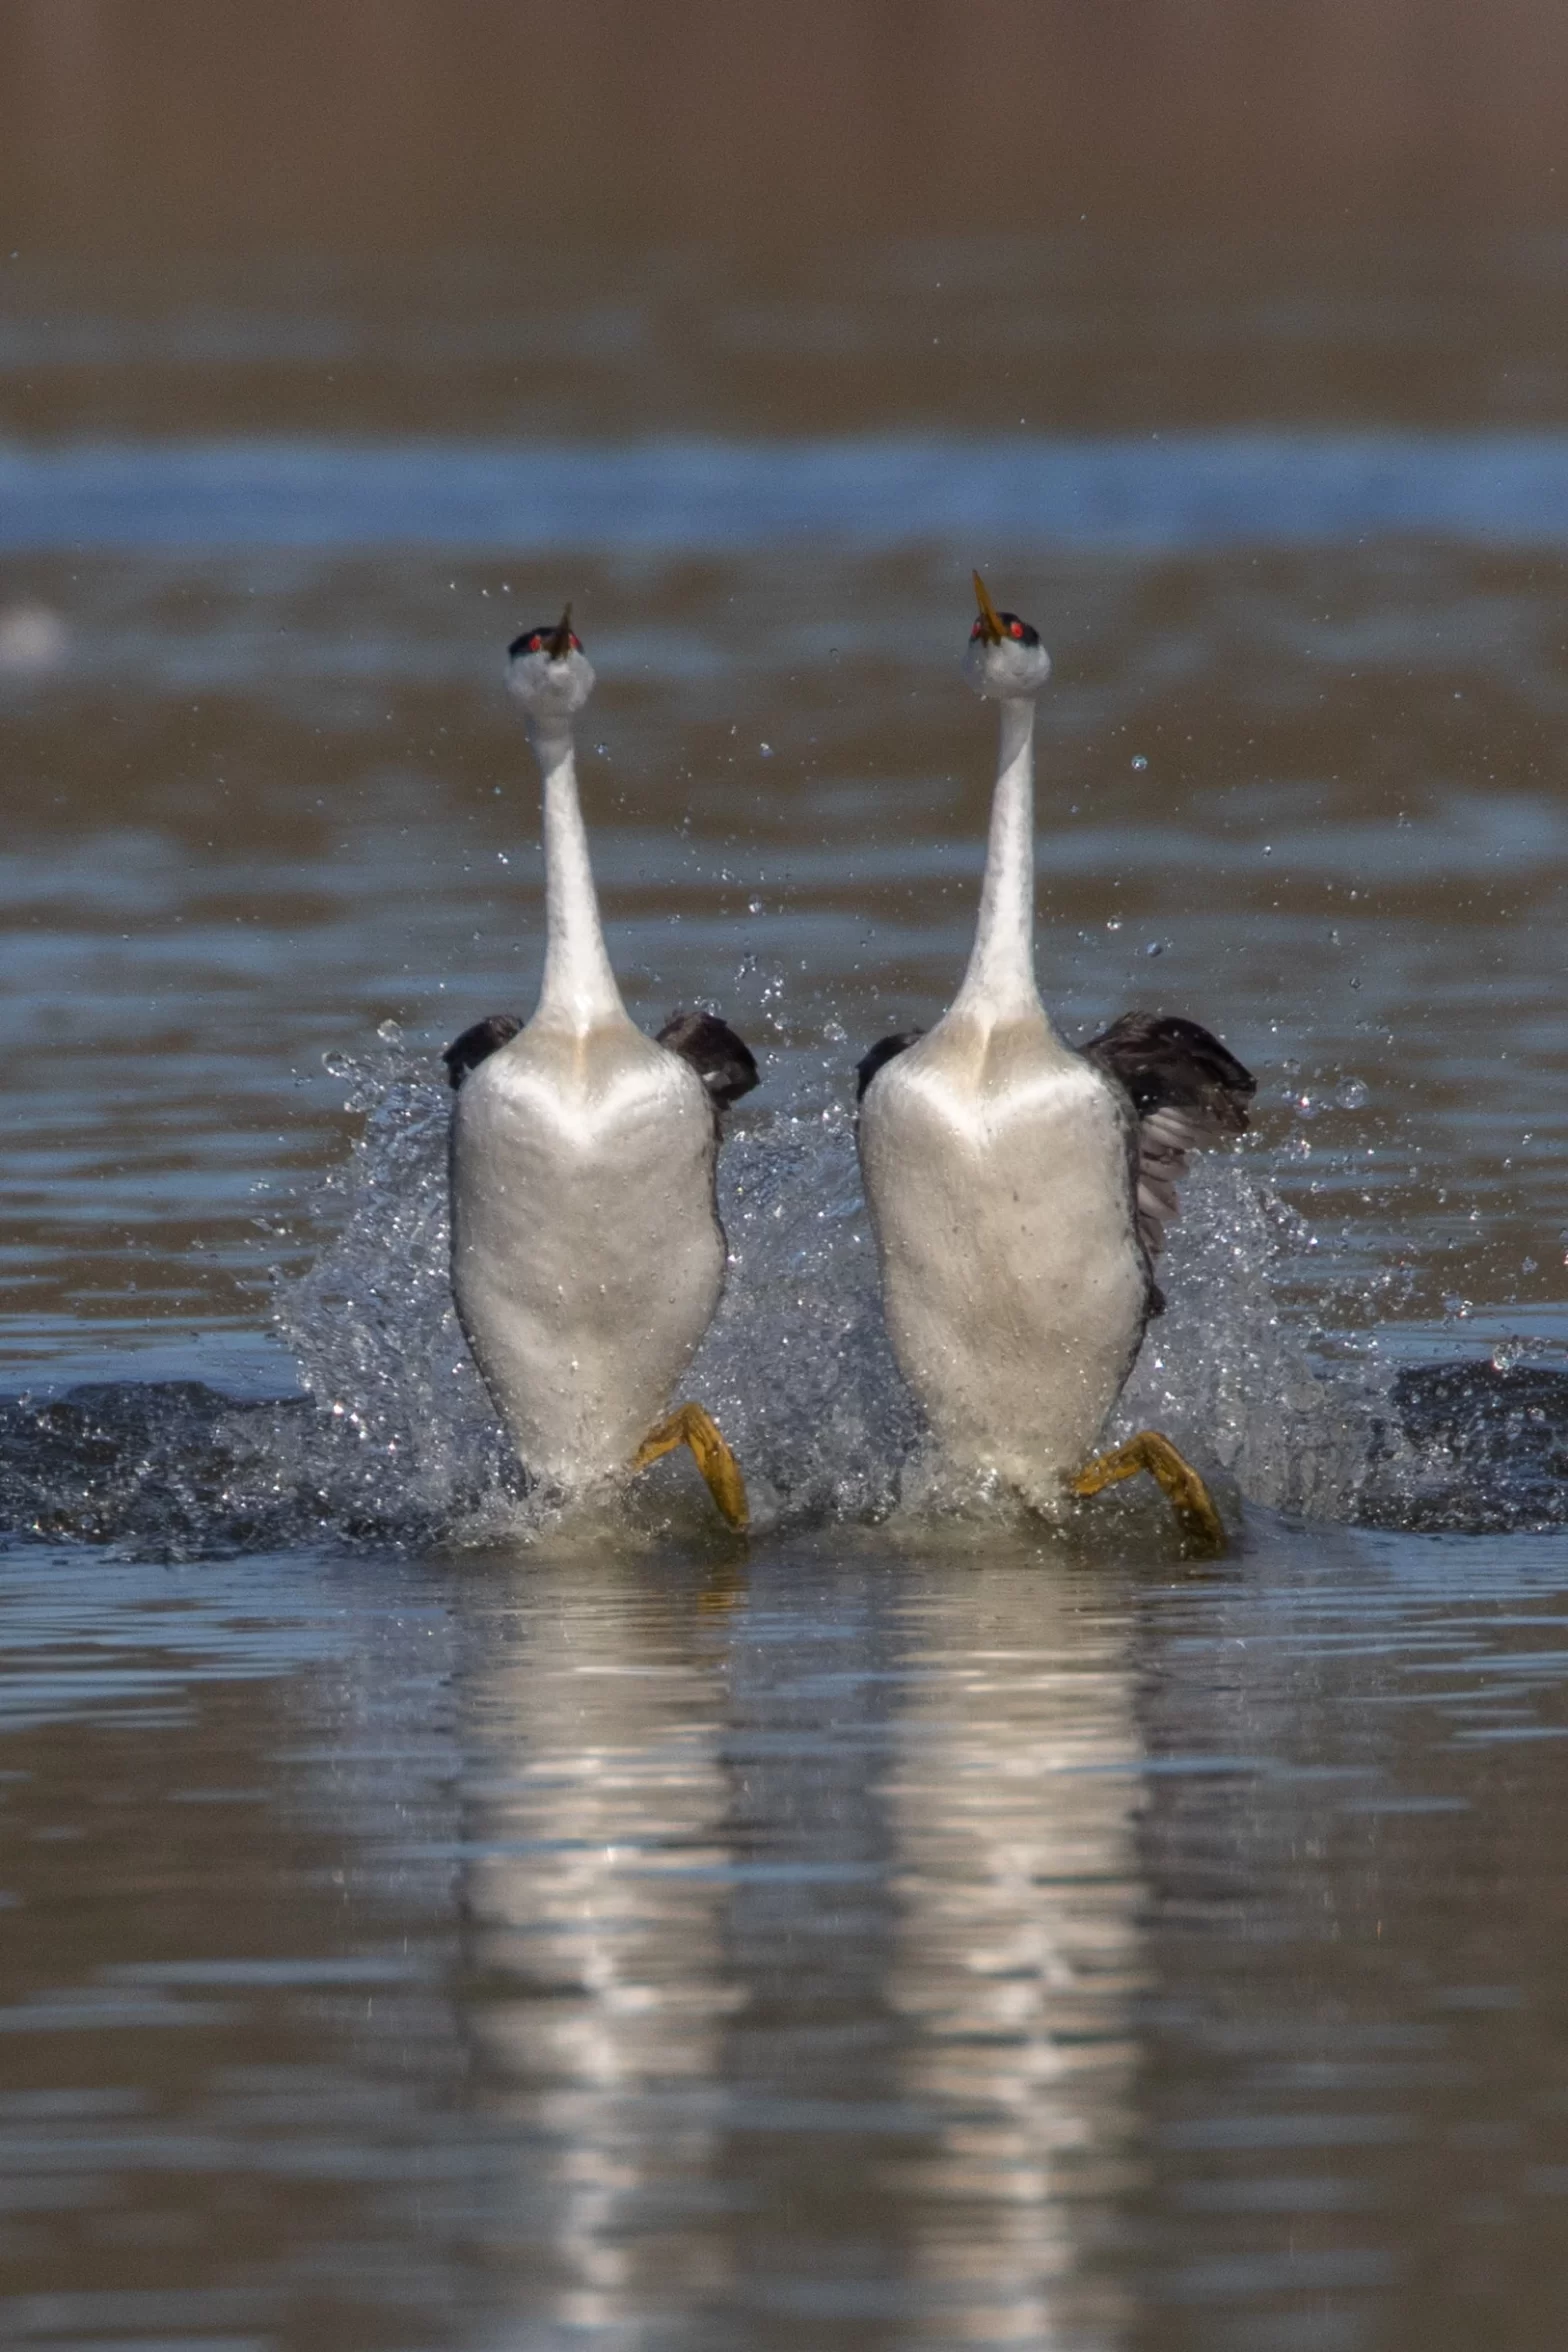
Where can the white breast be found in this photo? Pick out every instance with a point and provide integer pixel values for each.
(997, 1178)
(587, 1258)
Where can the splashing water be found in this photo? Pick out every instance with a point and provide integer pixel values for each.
(1238, 1379)
(397, 1441)
(372, 1322)
(796, 1367)
(797, 1363)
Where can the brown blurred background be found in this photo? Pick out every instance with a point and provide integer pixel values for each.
(128, 126)
(1156, 214)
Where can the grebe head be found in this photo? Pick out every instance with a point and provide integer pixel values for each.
(1005, 660)
(548, 671)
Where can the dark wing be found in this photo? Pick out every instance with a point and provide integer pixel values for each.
(1187, 1091)
(885, 1050)
(476, 1045)
(721, 1060)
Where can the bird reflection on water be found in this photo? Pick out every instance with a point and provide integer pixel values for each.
(711, 1921)
(597, 1840)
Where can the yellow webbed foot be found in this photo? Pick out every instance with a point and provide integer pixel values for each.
(1185, 1491)
(690, 1426)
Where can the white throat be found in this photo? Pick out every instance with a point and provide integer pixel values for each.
(1000, 981)
(578, 990)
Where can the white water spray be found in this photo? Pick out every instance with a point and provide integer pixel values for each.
(797, 1366)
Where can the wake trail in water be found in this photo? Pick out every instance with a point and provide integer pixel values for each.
(396, 1441)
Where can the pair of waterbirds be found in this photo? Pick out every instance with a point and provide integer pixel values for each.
(1018, 1186)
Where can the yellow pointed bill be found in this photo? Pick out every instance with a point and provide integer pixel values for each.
(988, 612)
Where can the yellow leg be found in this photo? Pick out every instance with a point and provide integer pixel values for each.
(690, 1426)
(1185, 1491)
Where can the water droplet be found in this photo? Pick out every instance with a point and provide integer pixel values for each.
(766, 750)
(336, 1065)
(1156, 947)
(390, 1032)
(1351, 1093)
(1114, 924)
(753, 906)
(603, 750)
(1139, 761)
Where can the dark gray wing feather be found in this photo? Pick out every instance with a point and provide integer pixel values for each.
(723, 1061)
(885, 1050)
(1187, 1091)
(477, 1044)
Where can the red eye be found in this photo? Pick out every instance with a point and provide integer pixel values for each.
(975, 631)
(534, 643)
(1016, 629)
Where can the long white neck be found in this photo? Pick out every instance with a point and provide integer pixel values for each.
(1000, 979)
(579, 988)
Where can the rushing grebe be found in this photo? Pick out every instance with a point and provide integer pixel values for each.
(1018, 1188)
(587, 1255)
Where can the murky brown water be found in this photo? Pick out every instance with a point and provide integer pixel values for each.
(904, 1935)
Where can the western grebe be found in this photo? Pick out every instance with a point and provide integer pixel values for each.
(1019, 1188)
(587, 1255)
